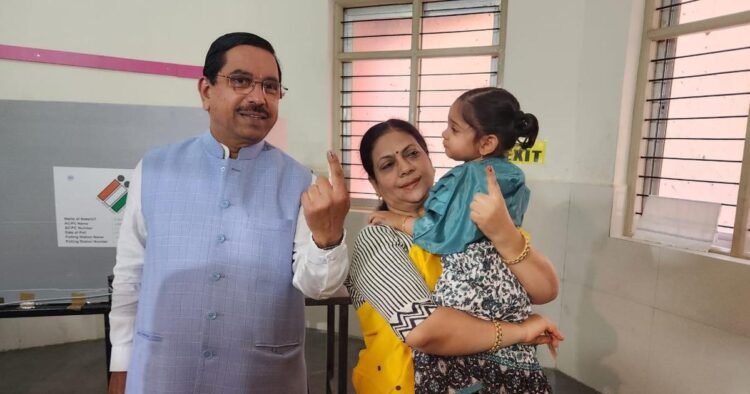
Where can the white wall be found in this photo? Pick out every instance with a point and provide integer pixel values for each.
(638, 318)
(171, 31)
(164, 31)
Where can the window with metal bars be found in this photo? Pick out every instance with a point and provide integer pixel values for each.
(409, 60)
(691, 114)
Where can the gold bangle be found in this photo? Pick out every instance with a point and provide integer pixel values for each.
(498, 337)
(524, 253)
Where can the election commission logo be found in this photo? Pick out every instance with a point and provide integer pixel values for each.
(115, 194)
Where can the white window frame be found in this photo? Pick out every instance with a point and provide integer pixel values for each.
(651, 35)
(414, 53)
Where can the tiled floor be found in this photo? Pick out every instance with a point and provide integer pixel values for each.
(78, 368)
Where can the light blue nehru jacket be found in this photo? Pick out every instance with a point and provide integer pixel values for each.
(217, 312)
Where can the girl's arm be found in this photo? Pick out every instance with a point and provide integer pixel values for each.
(535, 272)
(393, 220)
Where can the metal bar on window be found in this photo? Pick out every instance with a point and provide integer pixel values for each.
(466, 73)
(425, 136)
(460, 14)
(357, 150)
(375, 76)
(698, 118)
(439, 8)
(353, 177)
(444, 90)
(688, 180)
(691, 159)
(722, 203)
(660, 59)
(377, 20)
(359, 121)
(364, 179)
(490, 50)
(377, 36)
(375, 91)
(674, 5)
(699, 75)
(699, 97)
(374, 106)
(641, 213)
(458, 31)
(695, 138)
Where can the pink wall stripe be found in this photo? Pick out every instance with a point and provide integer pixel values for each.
(36, 55)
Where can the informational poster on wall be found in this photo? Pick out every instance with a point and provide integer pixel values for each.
(89, 203)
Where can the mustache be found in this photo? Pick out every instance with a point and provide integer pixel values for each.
(253, 108)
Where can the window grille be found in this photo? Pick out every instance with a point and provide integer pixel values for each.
(410, 61)
(691, 112)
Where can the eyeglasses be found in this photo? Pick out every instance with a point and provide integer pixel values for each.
(245, 85)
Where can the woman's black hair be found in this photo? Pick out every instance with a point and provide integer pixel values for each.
(373, 134)
(496, 111)
(216, 56)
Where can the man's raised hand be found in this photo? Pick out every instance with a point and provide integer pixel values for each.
(325, 205)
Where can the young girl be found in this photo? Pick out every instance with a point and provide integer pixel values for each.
(483, 125)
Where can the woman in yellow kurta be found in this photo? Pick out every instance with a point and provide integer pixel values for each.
(391, 289)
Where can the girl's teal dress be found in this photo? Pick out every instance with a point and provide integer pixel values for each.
(476, 281)
(446, 227)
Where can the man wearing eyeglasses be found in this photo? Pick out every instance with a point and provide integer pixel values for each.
(222, 238)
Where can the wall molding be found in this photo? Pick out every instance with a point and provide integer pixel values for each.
(76, 59)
